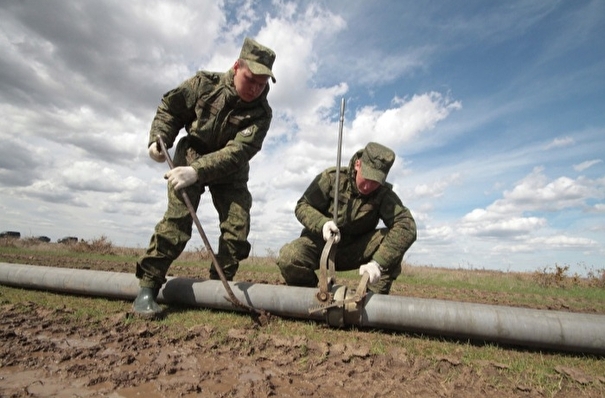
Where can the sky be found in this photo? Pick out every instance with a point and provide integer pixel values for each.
(495, 110)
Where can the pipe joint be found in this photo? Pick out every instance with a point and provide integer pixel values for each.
(349, 313)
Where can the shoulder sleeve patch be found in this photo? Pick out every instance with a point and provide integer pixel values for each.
(246, 133)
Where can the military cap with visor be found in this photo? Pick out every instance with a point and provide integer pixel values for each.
(258, 57)
(376, 161)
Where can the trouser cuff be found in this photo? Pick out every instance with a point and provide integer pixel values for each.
(149, 283)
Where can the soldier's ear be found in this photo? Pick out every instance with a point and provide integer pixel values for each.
(239, 65)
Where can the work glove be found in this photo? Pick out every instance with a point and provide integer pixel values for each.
(330, 229)
(155, 154)
(181, 177)
(373, 269)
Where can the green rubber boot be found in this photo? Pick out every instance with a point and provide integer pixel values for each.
(145, 305)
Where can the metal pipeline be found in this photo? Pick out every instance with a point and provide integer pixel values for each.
(556, 330)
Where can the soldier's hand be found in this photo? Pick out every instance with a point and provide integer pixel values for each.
(155, 153)
(373, 269)
(330, 229)
(181, 177)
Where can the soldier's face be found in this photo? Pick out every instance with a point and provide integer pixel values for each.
(248, 85)
(364, 185)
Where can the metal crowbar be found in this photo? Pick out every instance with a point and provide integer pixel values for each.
(262, 316)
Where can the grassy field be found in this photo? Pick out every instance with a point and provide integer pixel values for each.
(536, 370)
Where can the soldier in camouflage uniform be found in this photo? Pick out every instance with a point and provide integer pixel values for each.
(226, 117)
(365, 198)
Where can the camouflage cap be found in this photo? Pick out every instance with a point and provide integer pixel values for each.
(258, 57)
(376, 161)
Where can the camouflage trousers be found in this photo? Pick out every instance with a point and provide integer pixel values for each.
(232, 203)
(299, 259)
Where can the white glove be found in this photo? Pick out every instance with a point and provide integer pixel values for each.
(181, 177)
(156, 155)
(330, 229)
(373, 269)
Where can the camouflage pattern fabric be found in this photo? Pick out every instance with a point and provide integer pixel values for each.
(358, 218)
(223, 134)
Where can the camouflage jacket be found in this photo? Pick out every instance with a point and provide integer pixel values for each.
(225, 130)
(357, 214)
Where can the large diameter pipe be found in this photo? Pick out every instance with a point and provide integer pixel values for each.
(278, 300)
(563, 331)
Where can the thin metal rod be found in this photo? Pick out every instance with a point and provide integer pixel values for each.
(327, 263)
(338, 154)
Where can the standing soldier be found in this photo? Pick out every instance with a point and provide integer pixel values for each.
(365, 198)
(226, 117)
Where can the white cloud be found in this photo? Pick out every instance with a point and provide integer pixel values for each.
(544, 243)
(91, 176)
(560, 143)
(380, 69)
(483, 223)
(400, 124)
(536, 192)
(585, 165)
(507, 222)
(51, 192)
(441, 235)
(436, 188)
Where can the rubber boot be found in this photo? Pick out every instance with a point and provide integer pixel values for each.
(145, 305)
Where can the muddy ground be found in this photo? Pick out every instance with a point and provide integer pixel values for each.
(51, 353)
